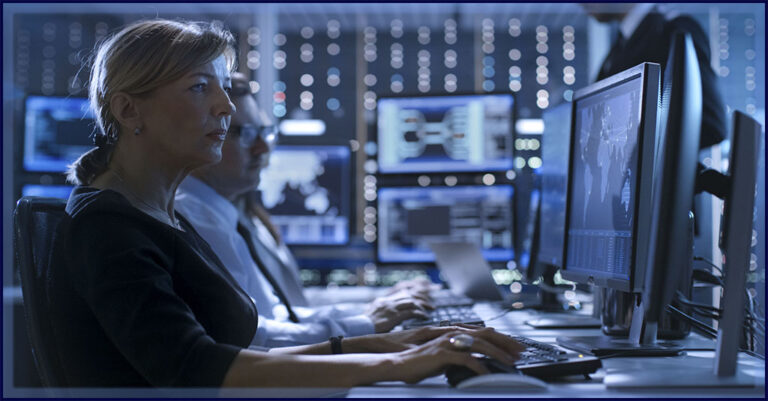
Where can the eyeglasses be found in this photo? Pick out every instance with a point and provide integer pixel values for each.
(248, 134)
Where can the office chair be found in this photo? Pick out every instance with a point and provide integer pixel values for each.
(36, 221)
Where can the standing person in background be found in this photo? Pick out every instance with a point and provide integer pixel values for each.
(645, 35)
(264, 269)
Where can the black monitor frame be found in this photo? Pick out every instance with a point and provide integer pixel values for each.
(736, 238)
(650, 75)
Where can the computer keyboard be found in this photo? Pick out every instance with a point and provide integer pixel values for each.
(446, 315)
(539, 360)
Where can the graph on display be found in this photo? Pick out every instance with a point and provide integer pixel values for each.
(445, 133)
(306, 190)
(411, 218)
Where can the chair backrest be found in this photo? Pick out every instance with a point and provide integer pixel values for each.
(36, 221)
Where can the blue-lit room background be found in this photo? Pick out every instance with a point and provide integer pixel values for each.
(330, 63)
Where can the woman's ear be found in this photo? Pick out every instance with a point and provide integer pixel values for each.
(125, 109)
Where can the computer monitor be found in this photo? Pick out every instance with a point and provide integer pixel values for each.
(555, 145)
(674, 185)
(410, 218)
(611, 174)
(445, 133)
(47, 191)
(306, 189)
(609, 207)
(56, 132)
(737, 238)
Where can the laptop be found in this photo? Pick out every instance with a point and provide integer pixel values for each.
(466, 271)
(470, 279)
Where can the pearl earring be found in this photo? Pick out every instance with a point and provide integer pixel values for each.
(137, 131)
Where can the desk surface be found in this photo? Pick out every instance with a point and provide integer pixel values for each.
(513, 323)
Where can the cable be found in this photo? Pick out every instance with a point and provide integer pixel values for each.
(683, 300)
(705, 276)
(752, 353)
(556, 289)
(699, 325)
(709, 262)
(499, 316)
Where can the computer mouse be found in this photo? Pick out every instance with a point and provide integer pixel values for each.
(502, 380)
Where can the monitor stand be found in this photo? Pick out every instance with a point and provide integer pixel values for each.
(641, 341)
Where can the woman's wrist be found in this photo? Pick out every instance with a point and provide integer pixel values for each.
(355, 345)
(378, 368)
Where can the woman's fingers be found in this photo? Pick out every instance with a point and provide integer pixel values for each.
(502, 341)
(491, 350)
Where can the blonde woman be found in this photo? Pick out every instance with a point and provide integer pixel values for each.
(142, 300)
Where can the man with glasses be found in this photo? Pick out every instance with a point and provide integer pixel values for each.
(207, 199)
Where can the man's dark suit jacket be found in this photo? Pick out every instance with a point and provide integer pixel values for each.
(650, 43)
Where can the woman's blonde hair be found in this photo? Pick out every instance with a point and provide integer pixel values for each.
(136, 60)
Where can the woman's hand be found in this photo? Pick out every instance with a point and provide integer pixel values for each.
(432, 357)
(395, 341)
(404, 340)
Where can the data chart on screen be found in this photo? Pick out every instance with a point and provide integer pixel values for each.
(445, 133)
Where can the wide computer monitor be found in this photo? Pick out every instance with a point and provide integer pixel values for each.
(459, 133)
(56, 132)
(411, 218)
(306, 190)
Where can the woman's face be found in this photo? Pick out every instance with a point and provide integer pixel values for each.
(186, 120)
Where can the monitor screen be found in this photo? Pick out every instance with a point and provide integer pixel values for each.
(306, 191)
(411, 218)
(445, 133)
(555, 142)
(48, 191)
(604, 181)
(56, 132)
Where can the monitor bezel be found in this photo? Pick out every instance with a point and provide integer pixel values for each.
(650, 75)
(512, 128)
